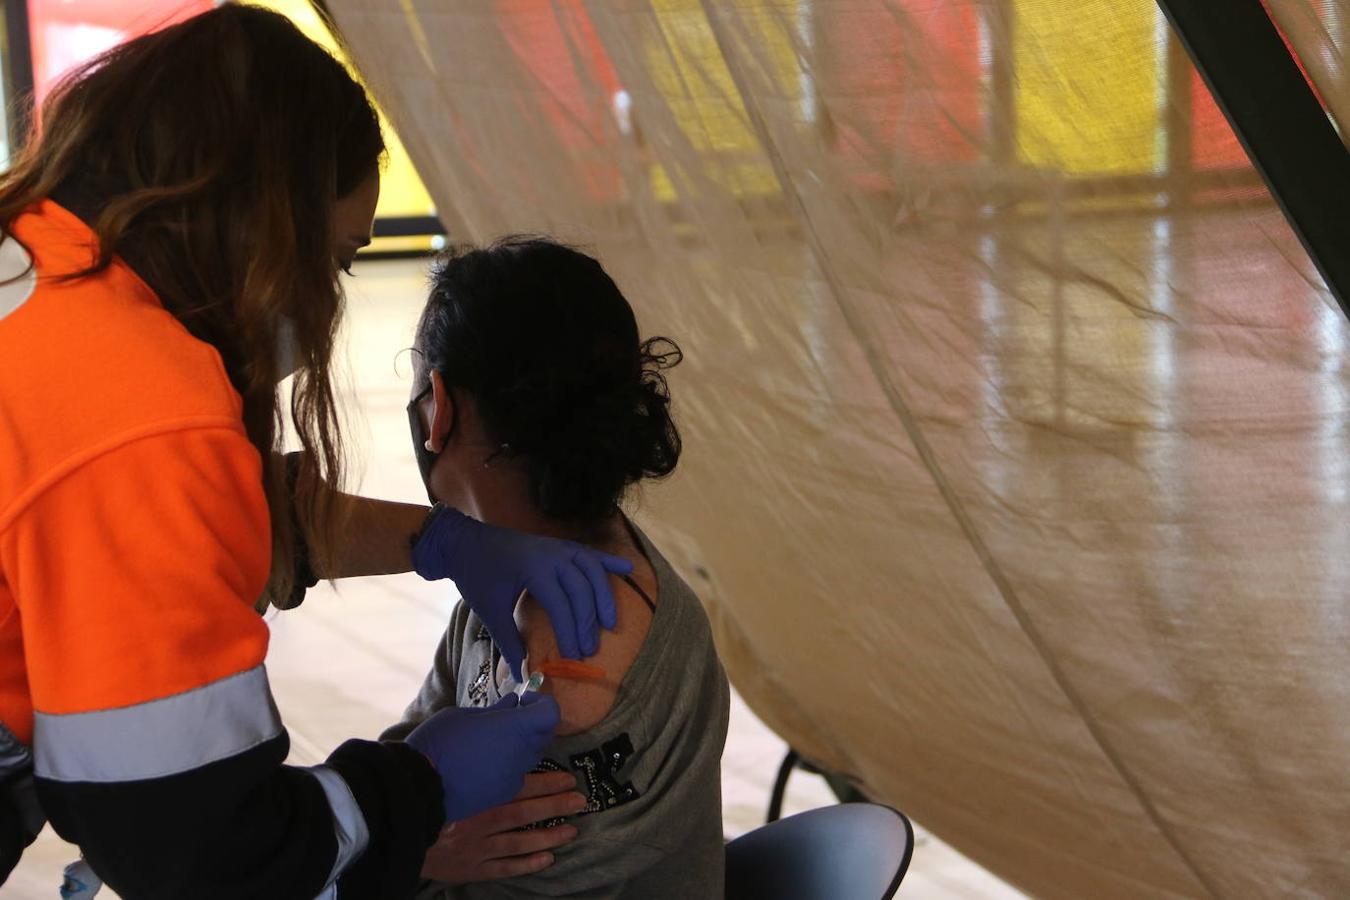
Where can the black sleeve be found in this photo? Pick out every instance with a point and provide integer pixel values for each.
(247, 826)
(20, 818)
(404, 811)
(12, 841)
(13, 836)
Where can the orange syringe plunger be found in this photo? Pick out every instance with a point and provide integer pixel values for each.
(571, 668)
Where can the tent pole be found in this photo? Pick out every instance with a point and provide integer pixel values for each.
(18, 72)
(1281, 123)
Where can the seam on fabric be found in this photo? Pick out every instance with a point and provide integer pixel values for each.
(900, 406)
(210, 684)
(80, 231)
(627, 842)
(58, 472)
(271, 731)
(51, 216)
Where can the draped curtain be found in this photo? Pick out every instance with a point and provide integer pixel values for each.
(1016, 470)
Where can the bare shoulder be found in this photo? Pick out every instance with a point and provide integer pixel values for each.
(585, 701)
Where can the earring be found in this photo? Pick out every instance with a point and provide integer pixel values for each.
(427, 444)
(503, 448)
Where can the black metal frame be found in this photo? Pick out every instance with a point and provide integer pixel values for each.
(18, 72)
(1279, 120)
(408, 226)
(844, 792)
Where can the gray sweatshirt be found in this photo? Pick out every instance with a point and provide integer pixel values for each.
(651, 769)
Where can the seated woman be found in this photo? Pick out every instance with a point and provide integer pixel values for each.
(537, 407)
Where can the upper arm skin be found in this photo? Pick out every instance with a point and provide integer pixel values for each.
(585, 703)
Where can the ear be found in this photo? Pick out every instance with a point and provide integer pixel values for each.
(443, 416)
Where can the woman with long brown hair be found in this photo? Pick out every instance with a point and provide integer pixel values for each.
(171, 242)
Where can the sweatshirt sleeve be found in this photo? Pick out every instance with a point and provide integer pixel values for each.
(440, 688)
(157, 745)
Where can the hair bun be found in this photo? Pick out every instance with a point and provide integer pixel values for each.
(600, 444)
(656, 354)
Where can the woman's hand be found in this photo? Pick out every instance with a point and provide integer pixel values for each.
(482, 755)
(492, 566)
(488, 846)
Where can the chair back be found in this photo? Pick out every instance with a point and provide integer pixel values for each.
(854, 851)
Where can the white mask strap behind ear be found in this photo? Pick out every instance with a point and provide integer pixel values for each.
(288, 359)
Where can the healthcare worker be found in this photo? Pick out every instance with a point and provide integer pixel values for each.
(171, 244)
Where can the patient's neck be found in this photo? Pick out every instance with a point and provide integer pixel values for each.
(499, 495)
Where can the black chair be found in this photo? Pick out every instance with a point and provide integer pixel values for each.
(845, 792)
(854, 851)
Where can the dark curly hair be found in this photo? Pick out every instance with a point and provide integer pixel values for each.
(548, 347)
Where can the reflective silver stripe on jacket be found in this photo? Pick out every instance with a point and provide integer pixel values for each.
(348, 822)
(16, 770)
(162, 737)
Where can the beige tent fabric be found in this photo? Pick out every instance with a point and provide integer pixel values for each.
(1017, 462)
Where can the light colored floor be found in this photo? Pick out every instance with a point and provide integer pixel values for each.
(346, 662)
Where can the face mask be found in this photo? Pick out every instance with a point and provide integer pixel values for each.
(425, 457)
(287, 358)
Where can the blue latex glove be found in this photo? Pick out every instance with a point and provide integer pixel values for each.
(482, 755)
(491, 566)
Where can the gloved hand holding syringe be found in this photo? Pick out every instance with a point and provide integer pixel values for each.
(533, 683)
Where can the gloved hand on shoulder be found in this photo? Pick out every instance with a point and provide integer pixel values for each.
(492, 566)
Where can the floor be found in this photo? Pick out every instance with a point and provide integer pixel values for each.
(346, 662)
